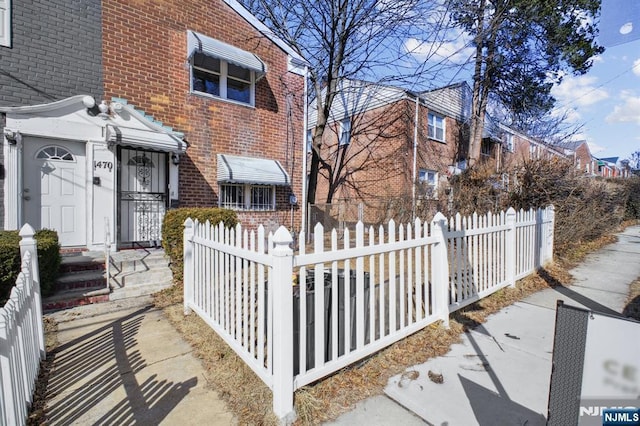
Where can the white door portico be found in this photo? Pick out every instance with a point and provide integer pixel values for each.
(61, 167)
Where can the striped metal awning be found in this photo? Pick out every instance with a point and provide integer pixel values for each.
(235, 169)
(197, 42)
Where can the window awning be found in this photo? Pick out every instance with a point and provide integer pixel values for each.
(234, 169)
(146, 139)
(197, 42)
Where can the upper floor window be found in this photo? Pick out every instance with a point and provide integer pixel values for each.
(5, 23)
(222, 70)
(222, 79)
(508, 141)
(309, 140)
(345, 132)
(485, 147)
(436, 127)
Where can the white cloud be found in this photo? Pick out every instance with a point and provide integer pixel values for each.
(456, 51)
(595, 148)
(579, 91)
(636, 67)
(627, 112)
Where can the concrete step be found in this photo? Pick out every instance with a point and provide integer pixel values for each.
(71, 298)
(85, 261)
(134, 273)
(85, 279)
(139, 290)
(137, 260)
(135, 278)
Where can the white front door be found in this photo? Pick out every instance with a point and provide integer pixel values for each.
(55, 188)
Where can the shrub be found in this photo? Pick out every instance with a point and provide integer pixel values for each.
(633, 198)
(48, 261)
(173, 230)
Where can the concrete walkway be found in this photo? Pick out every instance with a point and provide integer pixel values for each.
(123, 363)
(499, 374)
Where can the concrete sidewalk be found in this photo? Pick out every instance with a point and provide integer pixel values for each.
(124, 363)
(500, 372)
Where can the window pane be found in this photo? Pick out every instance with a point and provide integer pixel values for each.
(238, 91)
(239, 73)
(205, 82)
(206, 62)
(261, 197)
(232, 196)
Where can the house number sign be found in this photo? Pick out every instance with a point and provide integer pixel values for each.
(104, 165)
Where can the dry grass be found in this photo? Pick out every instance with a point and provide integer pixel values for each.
(37, 414)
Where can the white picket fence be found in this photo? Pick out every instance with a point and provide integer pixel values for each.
(378, 287)
(21, 337)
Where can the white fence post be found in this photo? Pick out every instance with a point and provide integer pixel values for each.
(551, 211)
(188, 264)
(440, 265)
(510, 247)
(282, 317)
(29, 244)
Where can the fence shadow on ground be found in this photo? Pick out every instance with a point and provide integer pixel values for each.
(489, 407)
(100, 368)
(575, 296)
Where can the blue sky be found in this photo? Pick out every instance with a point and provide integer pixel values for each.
(606, 101)
(603, 104)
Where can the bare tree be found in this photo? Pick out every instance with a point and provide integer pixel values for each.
(344, 39)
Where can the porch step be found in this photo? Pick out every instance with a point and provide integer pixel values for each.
(134, 273)
(84, 279)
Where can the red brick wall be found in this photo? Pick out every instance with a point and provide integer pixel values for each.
(145, 62)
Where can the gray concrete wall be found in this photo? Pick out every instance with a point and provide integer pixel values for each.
(56, 52)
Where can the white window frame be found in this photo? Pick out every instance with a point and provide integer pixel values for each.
(5, 23)
(433, 127)
(309, 141)
(245, 200)
(345, 132)
(429, 179)
(224, 77)
(508, 141)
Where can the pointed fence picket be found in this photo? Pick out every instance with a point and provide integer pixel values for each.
(21, 337)
(296, 318)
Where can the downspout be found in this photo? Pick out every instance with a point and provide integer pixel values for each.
(303, 226)
(415, 159)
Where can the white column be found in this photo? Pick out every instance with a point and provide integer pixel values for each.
(12, 184)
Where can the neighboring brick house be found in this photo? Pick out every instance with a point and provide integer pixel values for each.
(580, 154)
(373, 159)
(166, 76)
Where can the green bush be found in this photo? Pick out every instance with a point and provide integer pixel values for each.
(173, 230)
(48, 261)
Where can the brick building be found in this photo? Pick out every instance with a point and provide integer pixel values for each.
(390, 152)
(156, 104)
